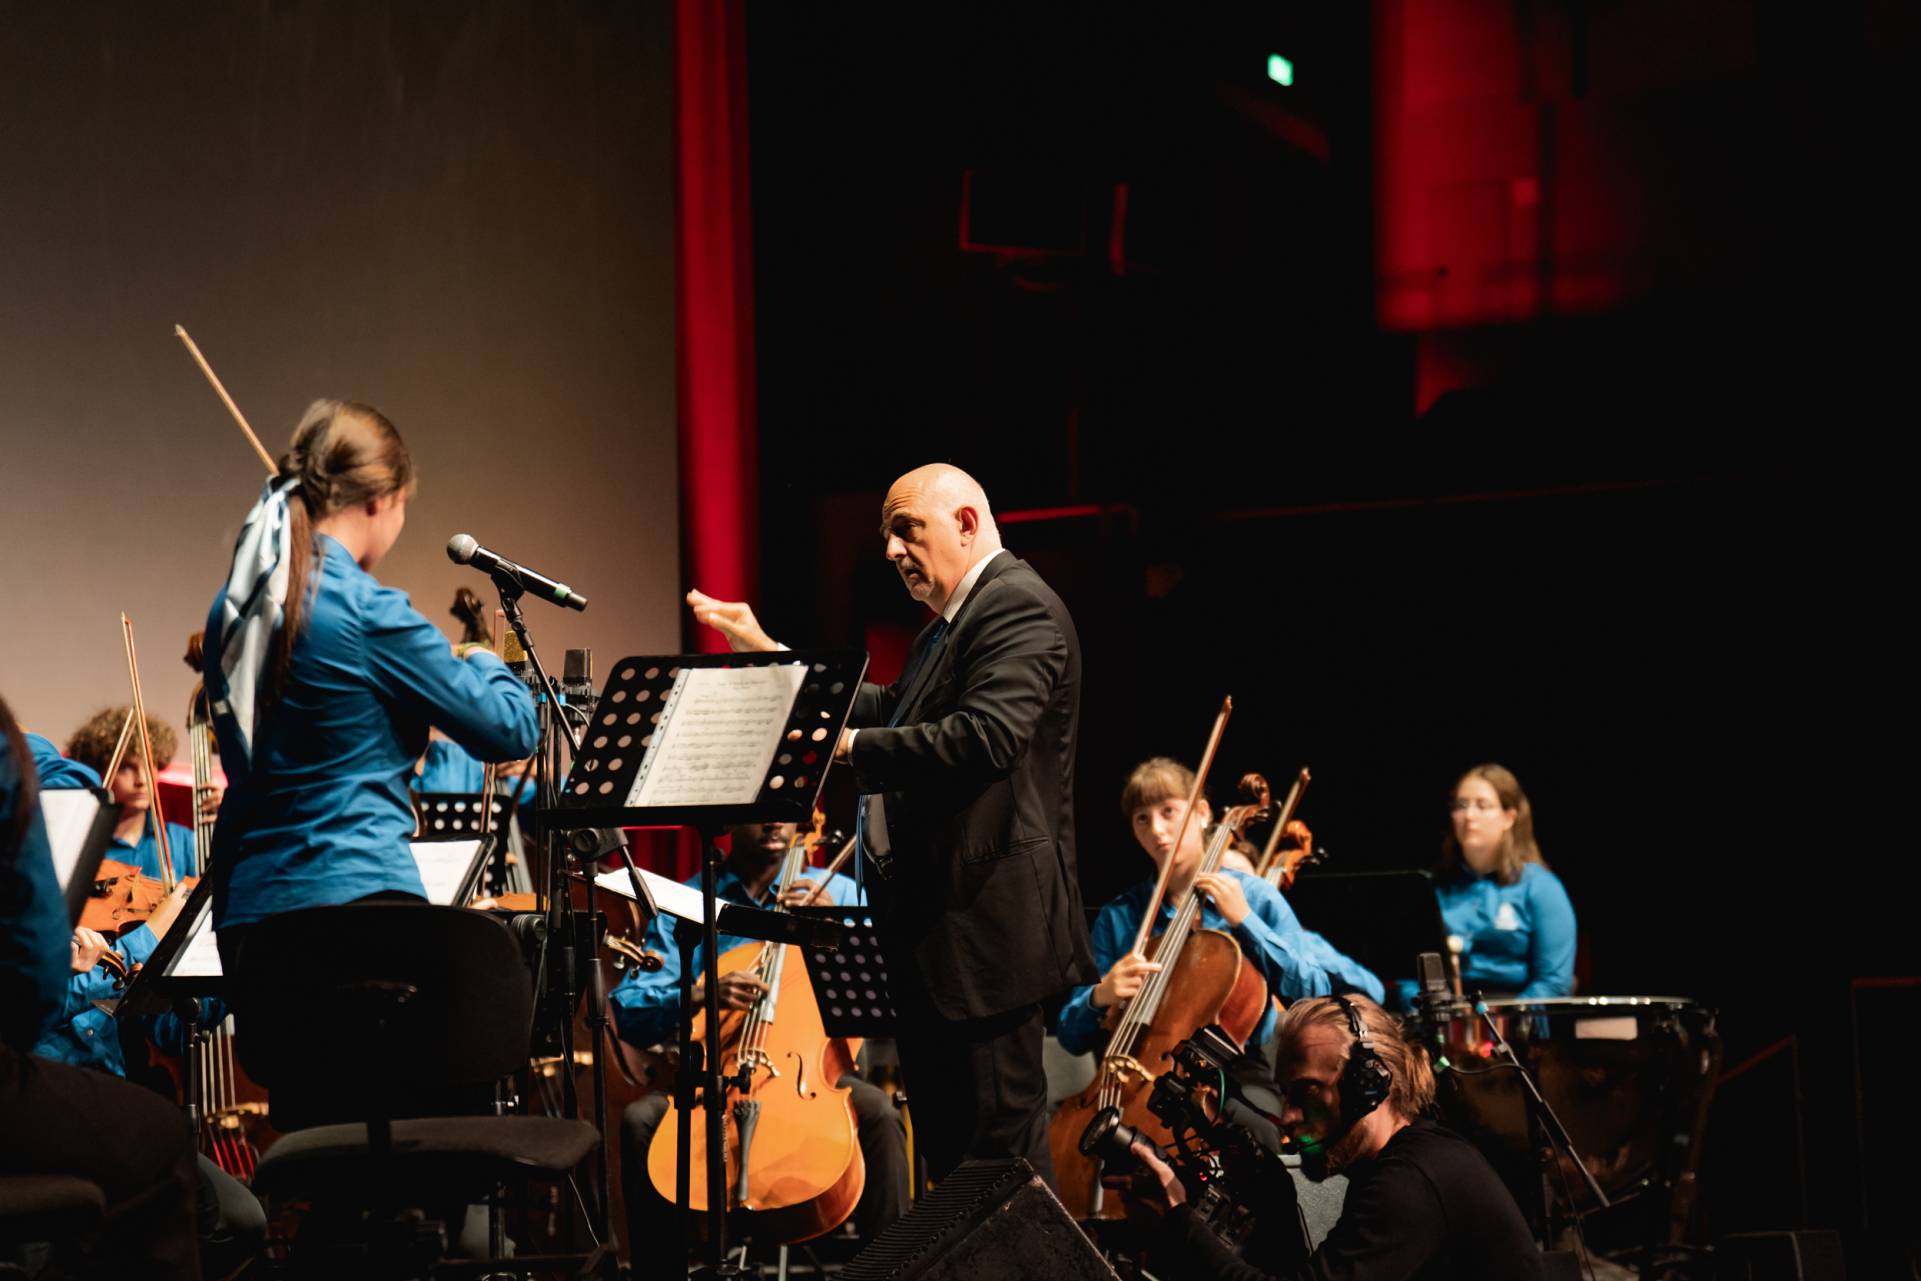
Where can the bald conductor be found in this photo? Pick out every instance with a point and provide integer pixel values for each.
(966, 770)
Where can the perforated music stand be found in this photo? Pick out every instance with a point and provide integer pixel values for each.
(640, 693)
(455, 816)
(624, 748)
(850, 982)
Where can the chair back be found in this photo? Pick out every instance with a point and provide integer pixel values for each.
(380, 1011)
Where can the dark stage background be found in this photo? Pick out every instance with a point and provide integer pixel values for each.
(1488, 394)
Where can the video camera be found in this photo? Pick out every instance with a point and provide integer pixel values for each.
(1232, 1177)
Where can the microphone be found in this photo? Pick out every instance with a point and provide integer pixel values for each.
(463, 550)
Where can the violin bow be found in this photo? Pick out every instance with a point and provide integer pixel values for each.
(1187, 820)
(1288, 807)
(193, 349)
(154, 813)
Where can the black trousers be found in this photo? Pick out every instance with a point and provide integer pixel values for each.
(975, 1087)
(651, 1226)
(136, 1145)
(230, 1220)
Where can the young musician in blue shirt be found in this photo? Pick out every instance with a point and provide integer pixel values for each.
(133, 838)
(1295, 962)
(1512, 915)
(646, 1011)
(60, 1120)
(324, 684)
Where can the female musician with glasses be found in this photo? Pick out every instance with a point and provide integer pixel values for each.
(1511, 915)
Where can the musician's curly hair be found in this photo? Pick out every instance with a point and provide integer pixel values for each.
(93, 743)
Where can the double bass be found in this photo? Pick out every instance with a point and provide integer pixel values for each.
(231, 1107)
(793, 1159)
(1204, 978)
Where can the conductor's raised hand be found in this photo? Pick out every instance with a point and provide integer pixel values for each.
(733, 619)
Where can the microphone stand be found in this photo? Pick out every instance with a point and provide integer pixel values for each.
(562, 981)
(1543, 1115)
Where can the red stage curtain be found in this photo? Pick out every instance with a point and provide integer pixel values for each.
(713, 300)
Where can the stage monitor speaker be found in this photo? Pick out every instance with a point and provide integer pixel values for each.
(987, 1221)
(1780, 1256)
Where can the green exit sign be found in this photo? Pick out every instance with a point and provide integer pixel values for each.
(1279, 69)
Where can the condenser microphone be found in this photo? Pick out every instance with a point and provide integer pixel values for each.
(463, 550)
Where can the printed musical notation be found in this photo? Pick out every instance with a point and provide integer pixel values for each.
(717, 736)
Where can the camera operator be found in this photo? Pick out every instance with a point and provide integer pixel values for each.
(1421, 1202)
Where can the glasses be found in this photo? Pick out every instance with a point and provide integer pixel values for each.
(1478, 805)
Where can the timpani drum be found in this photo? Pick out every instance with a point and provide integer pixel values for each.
(1629, 1076)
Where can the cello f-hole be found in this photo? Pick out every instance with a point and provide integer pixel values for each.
(800, 1075)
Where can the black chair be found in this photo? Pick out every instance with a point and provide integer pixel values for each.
(44, 1210)
(381, 1032)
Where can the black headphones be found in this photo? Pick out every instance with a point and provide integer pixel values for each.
(1365, 1080)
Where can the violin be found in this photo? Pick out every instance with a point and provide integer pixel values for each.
(122, 899)
(793, 1157)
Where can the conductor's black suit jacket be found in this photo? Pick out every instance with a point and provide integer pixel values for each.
(977, 783)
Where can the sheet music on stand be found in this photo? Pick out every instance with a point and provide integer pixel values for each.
(79, 822)
(704, 740)
(666, 897)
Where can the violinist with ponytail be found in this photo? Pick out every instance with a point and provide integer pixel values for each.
(325, 684)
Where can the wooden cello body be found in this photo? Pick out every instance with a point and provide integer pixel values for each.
(805, 1169)
(793, 1164)
(1212, 982)
(1205, 979)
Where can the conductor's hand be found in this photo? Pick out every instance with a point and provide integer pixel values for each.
(1124, 981)
(733, 619)
(88, 948)
(738, 991)
(1229, 899)
(1169, 1181)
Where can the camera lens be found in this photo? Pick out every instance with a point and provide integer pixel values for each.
(1108, 1139)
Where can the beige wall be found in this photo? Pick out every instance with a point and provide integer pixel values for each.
(459, 213)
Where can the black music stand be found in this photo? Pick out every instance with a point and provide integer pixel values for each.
(176, 977)
(1383, 920)
(79, 822)
(452, 816)
(850, 982)
(646, 760)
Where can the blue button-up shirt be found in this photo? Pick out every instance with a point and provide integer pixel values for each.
(1295, 962)
(145, 852)
(34, 934)
(1520, 937)
(56, 771)
(322, 814)
(646, 1006)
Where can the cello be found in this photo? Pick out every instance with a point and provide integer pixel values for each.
(1204, 978)
(793, 1158)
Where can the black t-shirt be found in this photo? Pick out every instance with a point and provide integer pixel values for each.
(1427, 1207)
